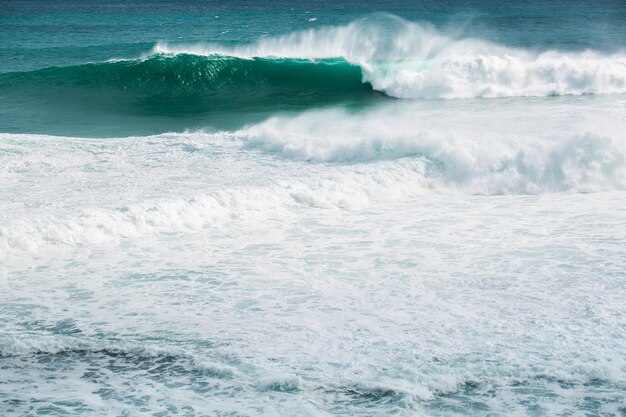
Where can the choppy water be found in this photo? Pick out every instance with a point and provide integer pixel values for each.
(266, 209)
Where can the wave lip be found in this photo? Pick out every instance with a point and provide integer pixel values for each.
(410, 60)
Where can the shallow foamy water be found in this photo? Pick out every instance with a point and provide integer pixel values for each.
(380, 263)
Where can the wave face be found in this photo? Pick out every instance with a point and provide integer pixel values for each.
(189, 84)
(220, 78)
(411, 60)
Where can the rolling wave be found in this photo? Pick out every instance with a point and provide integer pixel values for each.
(355, 63)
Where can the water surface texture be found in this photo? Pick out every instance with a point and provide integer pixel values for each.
(280, 208)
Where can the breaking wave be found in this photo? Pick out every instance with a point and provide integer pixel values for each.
(410, 60)
(356, 63)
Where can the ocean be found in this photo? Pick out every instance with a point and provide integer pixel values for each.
(285, 208)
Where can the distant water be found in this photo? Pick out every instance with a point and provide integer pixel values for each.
(278, 209)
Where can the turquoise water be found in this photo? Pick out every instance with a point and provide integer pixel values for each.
(271, 208)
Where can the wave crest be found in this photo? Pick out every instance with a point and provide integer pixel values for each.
(410, 60)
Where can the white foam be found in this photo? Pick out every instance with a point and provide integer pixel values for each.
(216, 370)
(280, 383)
(106, 221)
(93, 226)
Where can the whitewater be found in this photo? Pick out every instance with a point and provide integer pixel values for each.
(371, 218)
